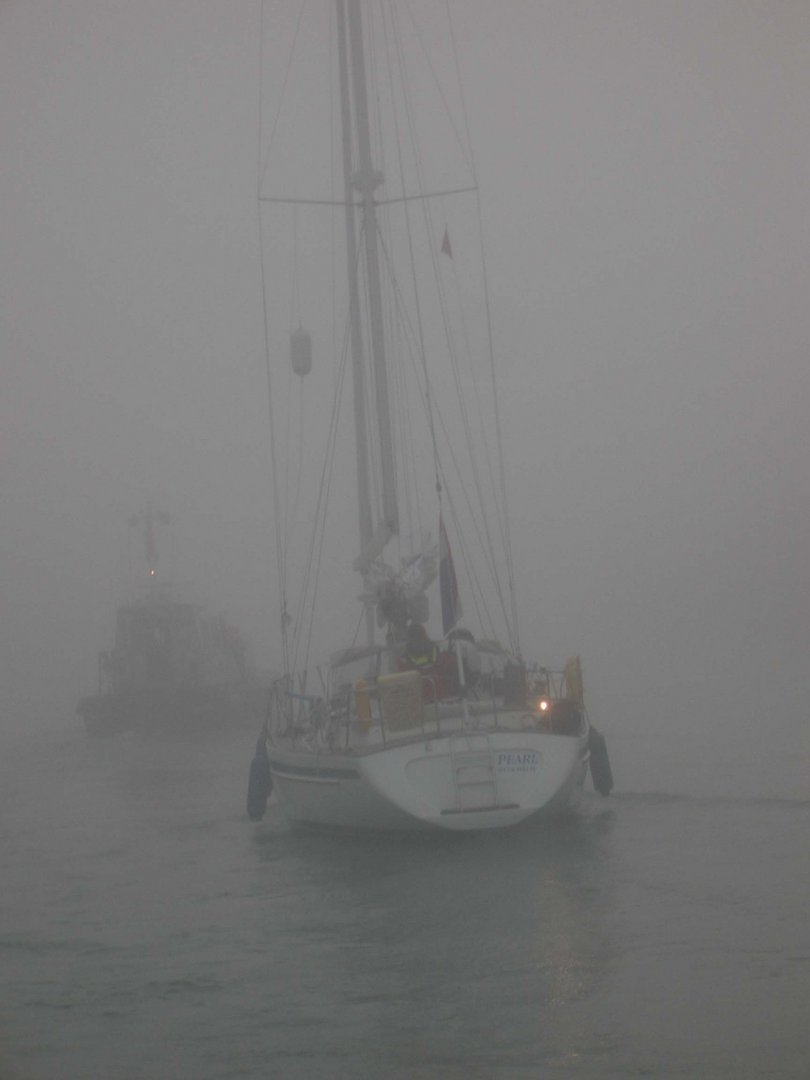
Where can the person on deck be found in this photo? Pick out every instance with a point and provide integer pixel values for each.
(420, 652)
(438, 667)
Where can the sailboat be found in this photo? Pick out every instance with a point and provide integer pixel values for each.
(406, 726)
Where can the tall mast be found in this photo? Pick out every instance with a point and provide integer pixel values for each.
(358, 357)
(365, 180)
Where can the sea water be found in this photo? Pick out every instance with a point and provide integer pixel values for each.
(148, 930)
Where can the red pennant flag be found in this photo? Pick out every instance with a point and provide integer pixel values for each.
(446, 249)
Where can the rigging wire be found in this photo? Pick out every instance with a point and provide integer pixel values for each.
(419, 322)
(477, 592)
(295, 297)
(292, 515)
(474, 517)
(288, 519)
(414, 339)
(483, 438)
(406, 434)
(429, 228)
(465, 147)
(407, 98)
(305, 614)
(284, 520)
(374, 458)
(319, 528)
(263, 162)
(342, 366)
(277, 523)
(488, 311)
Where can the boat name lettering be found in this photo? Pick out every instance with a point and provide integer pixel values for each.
(518, 761)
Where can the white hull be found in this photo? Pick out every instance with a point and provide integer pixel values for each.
(460, 782)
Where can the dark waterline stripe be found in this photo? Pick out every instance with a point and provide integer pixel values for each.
(295, 771)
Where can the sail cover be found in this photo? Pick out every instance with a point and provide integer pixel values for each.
(448, 585)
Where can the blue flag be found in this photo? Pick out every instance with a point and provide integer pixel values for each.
(448, 585)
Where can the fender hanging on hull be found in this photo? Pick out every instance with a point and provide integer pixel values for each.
(260, 782)
(601, 773)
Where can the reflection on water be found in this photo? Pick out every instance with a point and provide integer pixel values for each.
(149, 930)
(454, 946)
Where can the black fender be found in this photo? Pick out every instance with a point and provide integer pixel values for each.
(260, 782)
(601, 772)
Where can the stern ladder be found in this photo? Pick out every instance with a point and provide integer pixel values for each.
(473, 771)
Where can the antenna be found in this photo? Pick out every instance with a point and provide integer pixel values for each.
(148, 519)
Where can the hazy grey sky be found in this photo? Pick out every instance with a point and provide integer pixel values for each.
(644, 174)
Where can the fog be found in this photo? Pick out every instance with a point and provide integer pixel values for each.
(643, 172)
